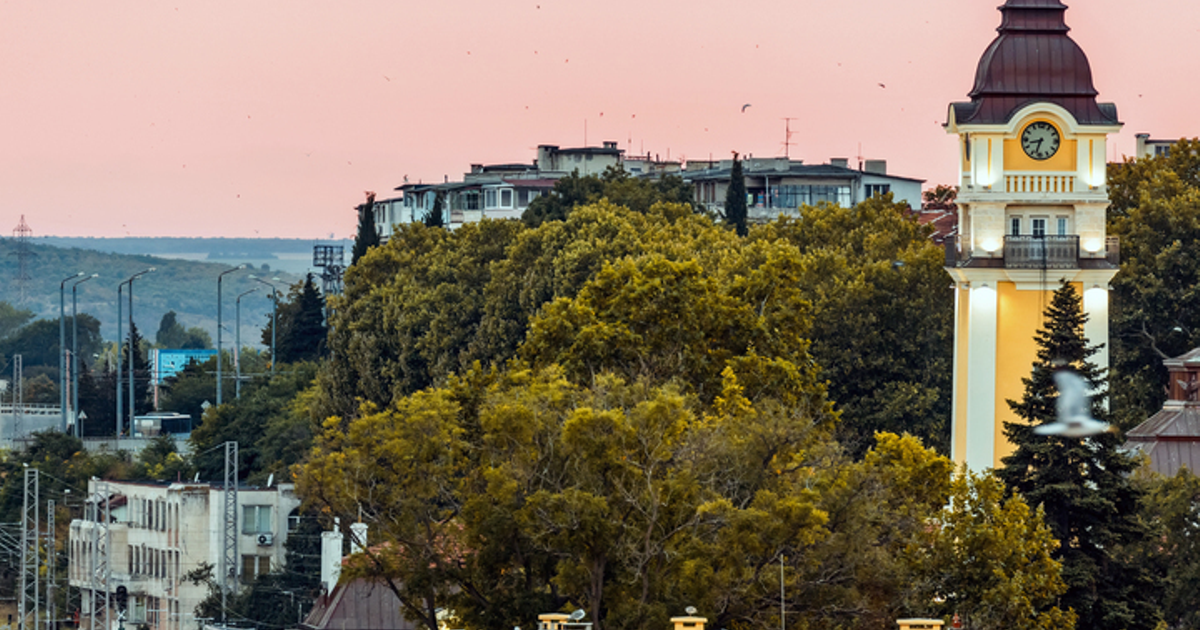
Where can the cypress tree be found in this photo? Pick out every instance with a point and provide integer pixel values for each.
(302, 328)
(735, 198)
(1082, 484)
(436, 216)
(367, 237)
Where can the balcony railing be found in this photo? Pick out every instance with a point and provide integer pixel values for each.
(1035, 252)
(1041, 252)
(1037, 183)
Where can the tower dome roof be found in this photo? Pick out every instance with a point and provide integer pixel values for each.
(1033, 60)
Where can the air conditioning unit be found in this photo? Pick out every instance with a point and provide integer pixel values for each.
(266, 540)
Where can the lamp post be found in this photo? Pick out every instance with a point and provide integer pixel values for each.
(132, 350)
(75, 351)
(120, 303)
(274, 317)
(220, 277)
(62, 348)
(237, 343)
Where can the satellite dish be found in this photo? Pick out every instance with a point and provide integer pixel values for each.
(270, 479)
(691, 610)
(578, 614)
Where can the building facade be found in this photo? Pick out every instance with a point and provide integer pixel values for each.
(1032, 205)
(155, 534)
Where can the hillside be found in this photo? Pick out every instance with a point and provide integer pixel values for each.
(187, 287)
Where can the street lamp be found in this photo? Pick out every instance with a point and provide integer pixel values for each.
(274, 317)
(237, 344)
(132, 400)
(221, 276)
(120, 302)
(75, 351)
(62, 349)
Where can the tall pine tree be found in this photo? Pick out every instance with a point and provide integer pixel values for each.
(367, 237)
(735, 198)
(437, 215)
(1082, 484)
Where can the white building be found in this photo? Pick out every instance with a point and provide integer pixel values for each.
(158, 533)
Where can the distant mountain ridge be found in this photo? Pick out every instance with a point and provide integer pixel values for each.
(167, 245)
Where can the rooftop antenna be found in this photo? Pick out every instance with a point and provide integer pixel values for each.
(860, 156)
(787, 137)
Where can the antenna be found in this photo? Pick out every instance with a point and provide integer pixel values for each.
(787, 137)
(21, 235)
(860, 156)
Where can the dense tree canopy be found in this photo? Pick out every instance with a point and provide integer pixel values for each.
(301, 321)
(616, 185)
(1155, 213)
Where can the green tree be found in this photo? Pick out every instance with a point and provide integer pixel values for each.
(436, 217)
(616, 185)
(172, 335)
(882, 319)
(97, 401)
(12, 318)
(1171, 506)
(735, 199)
(301, 319)
(140, 366)
(367, 237)
(989, 560)
(1155, 212)
(1081, 485)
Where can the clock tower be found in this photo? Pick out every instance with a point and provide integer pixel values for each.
(1032, 203)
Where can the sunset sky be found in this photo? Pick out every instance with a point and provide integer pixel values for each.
(270, 117)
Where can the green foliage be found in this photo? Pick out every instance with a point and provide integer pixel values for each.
(160, 460)
(302, 331)
(270, 423)
(190, 389)
(172, 335)
(1081, 485)
(736, 213)
(437, 214)
(367, 237)
(37, 341)
(1155, 212)
(141, 374)
(882, 320)
(12, 318)
(616, 185)
(988, 559)
(1171, 508)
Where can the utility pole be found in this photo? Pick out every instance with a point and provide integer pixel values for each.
(229, 556)
(28, 600)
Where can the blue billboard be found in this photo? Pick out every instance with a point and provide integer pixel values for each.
(167, 363)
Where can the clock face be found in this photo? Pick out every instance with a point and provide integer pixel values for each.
(1040, 140)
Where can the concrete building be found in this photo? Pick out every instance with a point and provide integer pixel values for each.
(1032, 202)
(157, 533)
(778, 185)
(1148, 147)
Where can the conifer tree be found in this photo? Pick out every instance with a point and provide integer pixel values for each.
(1083, 485)
(367, 237)
(436, 216)
(735, 198)
(302, 327)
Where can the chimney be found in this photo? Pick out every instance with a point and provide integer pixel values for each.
(331, 557)
(358, 538)
(839, 162)
(610, 144)
(876, 167)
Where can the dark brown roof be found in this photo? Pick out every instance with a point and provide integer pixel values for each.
(1171, 438)
(358, 605)
(1033, 60)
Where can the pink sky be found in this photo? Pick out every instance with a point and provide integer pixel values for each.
(271, 117)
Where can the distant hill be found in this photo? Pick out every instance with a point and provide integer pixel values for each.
(186, 286)
(288, 254)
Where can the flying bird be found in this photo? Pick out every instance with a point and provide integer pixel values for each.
(1073, 409)
(744, 107)
(882, 86)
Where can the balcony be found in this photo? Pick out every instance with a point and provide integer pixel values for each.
(1035, 252)
(1041, 252)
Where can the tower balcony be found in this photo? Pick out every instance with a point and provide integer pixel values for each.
(1034, 186)
(1035, 252)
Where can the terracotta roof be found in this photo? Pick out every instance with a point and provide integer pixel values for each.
(1033, 60)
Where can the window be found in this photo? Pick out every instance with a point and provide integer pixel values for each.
(1062, 226)
(1162, 151)
(489, 198)
(254, 566)
(796, 196)
(1038, 228)
(1015, 227)
(506, 198)
(256, 519)
(878, 189)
